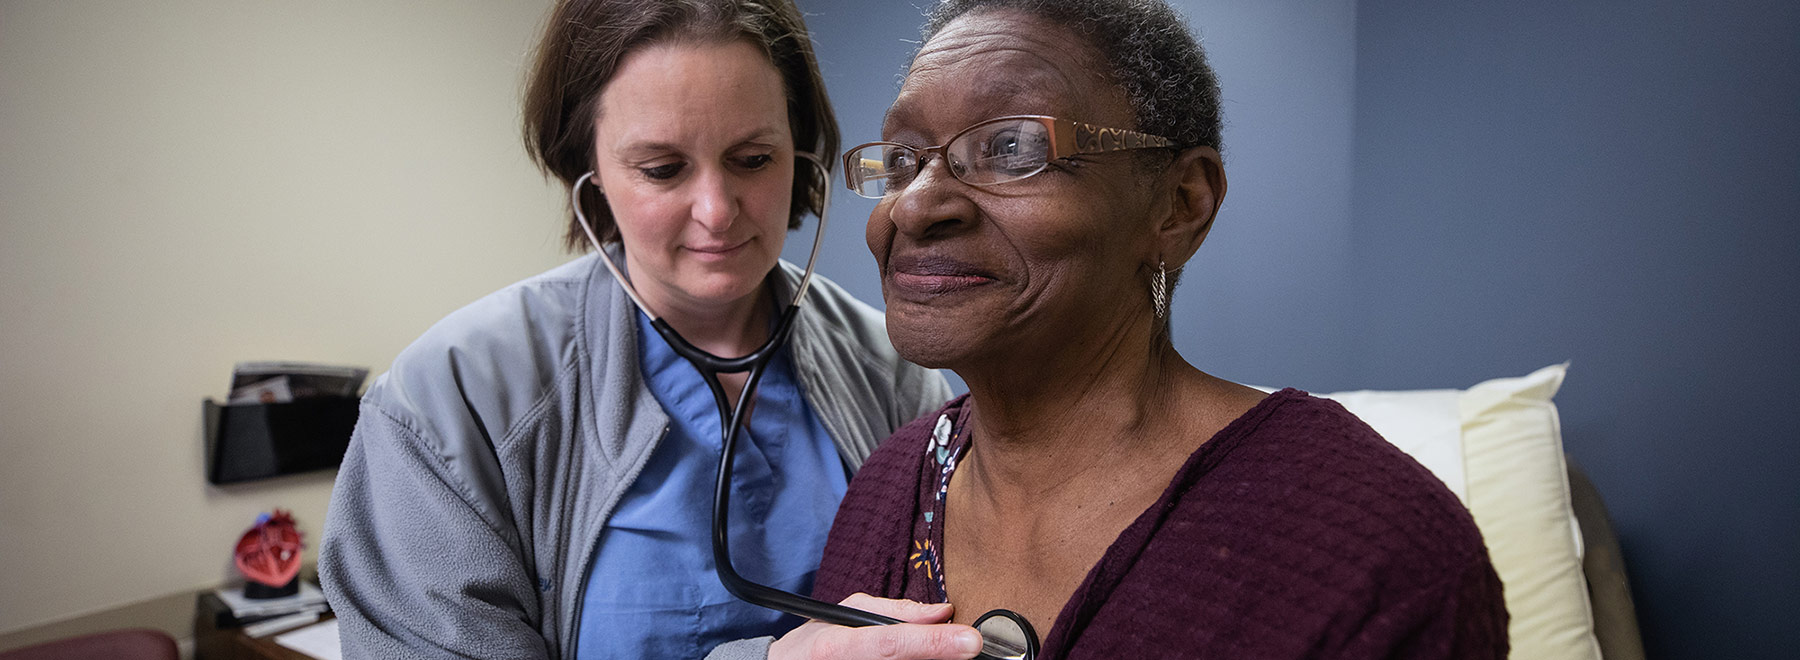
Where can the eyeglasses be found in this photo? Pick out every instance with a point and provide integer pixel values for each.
(994, 151)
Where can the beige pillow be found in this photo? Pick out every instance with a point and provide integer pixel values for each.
(1503, 457)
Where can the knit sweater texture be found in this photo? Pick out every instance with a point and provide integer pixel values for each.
(1294, 532)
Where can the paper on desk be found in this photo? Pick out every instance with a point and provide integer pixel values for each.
(319, 640)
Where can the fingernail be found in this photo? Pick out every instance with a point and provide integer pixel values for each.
(968, 642)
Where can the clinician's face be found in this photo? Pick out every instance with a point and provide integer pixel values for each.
(1022, 268)
(694, 153)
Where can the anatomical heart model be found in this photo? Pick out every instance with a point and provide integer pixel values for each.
(269, 556)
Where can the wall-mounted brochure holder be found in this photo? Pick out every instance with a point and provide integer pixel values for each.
(245, 442)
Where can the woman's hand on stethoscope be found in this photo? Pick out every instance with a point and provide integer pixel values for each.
(923, 637)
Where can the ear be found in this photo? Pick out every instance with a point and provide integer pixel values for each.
(1196, 188)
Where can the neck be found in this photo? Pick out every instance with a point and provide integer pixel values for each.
(1100, 410)
(727, 329)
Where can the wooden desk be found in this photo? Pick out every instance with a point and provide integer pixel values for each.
(218, 637)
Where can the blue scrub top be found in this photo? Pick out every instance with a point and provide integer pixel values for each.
(652, 591)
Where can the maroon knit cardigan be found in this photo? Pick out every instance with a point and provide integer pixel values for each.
(1295, 532)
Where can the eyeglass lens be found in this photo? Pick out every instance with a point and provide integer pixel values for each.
(991, 152)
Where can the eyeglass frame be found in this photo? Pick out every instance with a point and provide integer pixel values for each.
(1068, 138)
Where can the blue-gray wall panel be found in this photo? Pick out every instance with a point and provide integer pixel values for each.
(1615, 184)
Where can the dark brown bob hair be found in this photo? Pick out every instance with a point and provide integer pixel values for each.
(584, 42)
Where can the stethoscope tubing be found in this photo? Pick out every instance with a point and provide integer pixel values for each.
(732, 420)
(752, 592)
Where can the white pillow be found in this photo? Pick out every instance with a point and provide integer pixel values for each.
(1498, 447)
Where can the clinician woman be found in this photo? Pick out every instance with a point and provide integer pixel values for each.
(533, 477)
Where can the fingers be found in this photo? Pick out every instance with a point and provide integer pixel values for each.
(910, 611)
(901, 641)
(924, 637)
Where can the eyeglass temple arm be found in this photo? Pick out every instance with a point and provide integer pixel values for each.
(1072, 138)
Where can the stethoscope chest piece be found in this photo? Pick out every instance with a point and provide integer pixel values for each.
(1006, 635)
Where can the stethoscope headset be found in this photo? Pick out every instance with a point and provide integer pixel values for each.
(1005, 634)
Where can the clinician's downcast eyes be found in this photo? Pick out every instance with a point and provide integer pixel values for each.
(662, 172)
(756, 162)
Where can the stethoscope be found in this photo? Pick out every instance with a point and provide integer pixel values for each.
(1005, 634)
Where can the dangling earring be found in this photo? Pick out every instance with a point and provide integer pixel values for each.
(1159, 291)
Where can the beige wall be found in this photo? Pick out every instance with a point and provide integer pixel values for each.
(187, 184)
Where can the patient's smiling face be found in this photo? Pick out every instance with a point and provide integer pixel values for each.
(974, 273)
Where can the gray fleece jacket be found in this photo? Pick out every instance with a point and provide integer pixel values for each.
(488, 458)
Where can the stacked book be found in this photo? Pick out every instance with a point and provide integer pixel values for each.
(261, 617)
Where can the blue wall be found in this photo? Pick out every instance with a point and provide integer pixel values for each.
(1433, 194)
(1616, 184)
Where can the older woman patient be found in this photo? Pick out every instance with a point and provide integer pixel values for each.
(1125, 502)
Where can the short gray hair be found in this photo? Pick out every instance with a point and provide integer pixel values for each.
(1153, 57)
